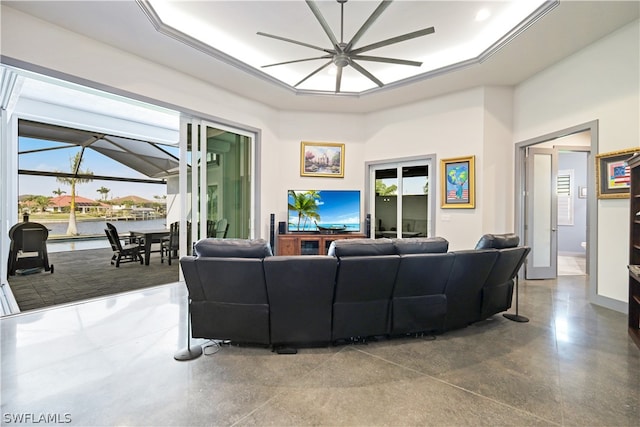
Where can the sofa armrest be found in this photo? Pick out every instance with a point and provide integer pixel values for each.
(498, 241)
(192, 278)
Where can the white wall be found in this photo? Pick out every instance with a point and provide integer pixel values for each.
(601, 82)
(469, 123)
(497, 168)
(283, 173)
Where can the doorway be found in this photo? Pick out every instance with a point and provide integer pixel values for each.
(554, 210)
(398, 198)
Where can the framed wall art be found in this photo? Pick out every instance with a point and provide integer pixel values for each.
(457, 183)
(323, 159)
(612, 174)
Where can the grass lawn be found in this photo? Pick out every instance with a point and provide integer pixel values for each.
(62, 216)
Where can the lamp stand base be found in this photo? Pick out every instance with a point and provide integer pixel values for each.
(516, 317)
(188, 353)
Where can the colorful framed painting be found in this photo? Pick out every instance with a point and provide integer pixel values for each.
(323, 159)
(457, 183)
(612, 174)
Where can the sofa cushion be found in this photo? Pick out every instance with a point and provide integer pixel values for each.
(421, 245)
(498, 241)
(232, 248)
(361, 247)
(300, 298)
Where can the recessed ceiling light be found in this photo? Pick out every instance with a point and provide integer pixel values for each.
(482, 15)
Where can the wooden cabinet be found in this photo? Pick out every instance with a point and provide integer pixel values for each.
(309, 243)
(634, 250)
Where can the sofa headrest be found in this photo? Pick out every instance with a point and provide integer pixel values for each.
(421, 245)
(498, 241)
(361, 247)
(232, 248)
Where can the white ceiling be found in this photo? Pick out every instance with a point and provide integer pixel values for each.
(449, 33)
(567, 28)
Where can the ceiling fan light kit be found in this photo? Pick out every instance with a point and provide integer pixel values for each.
(342, 54)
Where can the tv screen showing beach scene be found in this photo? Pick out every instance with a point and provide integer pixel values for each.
(324, 210)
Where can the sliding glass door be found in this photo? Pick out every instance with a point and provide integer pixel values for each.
(399, 199)
(219, 184)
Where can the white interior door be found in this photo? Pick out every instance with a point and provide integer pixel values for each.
(541, 214)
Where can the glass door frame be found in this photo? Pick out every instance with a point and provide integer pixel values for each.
(541, 218)
(370, 187)
(198, 206)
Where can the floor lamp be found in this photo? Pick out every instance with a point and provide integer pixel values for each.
(516, 317)
(190, 352)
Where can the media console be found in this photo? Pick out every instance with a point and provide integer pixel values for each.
(310, 243)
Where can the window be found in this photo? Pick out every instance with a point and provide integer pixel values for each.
(565, 197)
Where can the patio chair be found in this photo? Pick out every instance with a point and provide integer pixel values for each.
(222, 228)
(124, 239)
(169, 245)
(122, 253)
(211, 228)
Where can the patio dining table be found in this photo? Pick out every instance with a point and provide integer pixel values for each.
(149, 237)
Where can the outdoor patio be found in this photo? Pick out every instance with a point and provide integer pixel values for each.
(87, 273)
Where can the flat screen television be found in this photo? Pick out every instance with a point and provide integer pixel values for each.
(331, 211)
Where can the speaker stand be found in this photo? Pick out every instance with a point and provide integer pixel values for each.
(516, 317)
(191, 351)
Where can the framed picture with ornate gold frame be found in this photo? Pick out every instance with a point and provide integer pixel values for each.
(612, 174)
(324, 159)
(457, 183)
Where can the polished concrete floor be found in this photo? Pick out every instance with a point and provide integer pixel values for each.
(569, 265)
(109, 361)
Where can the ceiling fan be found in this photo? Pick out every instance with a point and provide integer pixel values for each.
(343, 54)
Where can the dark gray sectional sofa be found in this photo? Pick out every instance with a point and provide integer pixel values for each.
(363, 288)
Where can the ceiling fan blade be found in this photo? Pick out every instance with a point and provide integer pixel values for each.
(388, 60)
(313, 73)
(297, 60)
(338, 79)
(376, 13)
(366, 73)
(393, 40)
(323, 22)
(284, 39)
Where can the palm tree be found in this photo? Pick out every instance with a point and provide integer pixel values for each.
(58, 192)
(305, 205)
(383, 190)
(158, 206)
(104, 191)
(75, 162)
(42, 202)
